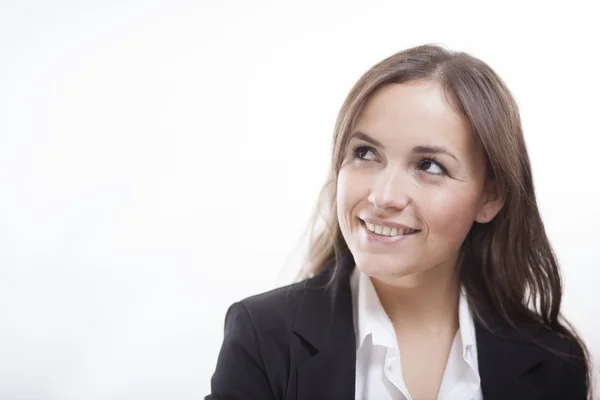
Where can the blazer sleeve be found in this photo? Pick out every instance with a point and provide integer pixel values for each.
(240, 372)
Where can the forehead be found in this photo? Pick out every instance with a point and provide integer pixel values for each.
(415, 113)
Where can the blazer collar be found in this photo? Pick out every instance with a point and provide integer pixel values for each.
(325, 322)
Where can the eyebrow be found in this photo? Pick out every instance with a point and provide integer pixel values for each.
(416, 149)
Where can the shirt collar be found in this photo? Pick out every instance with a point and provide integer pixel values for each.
(371, 319)
(465, 320)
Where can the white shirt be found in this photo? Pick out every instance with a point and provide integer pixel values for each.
(378, 366)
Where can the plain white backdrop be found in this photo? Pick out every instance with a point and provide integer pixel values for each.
(159, 160)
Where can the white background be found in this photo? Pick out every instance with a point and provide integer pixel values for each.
(160, 160)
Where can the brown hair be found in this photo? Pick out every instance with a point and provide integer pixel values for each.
(507, 266)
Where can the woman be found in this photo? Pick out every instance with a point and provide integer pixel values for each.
(433, 276)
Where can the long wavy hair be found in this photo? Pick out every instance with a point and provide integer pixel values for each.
(507, 266)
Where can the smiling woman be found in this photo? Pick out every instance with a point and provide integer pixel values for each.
(433, 276)
(419, 169)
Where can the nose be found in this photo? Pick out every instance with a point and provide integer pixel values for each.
(390, 190)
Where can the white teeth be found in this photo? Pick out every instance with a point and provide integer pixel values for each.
(387, 231)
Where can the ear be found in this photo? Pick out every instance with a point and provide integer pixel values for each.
(493, 201)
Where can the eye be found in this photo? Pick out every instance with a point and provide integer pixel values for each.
(362, 152)
(432, 167)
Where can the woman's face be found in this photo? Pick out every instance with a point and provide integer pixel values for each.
(415, 175)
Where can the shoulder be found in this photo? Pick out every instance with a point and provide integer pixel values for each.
(559, 348)
(551, 360)
(568, 357)
(554, 345)
(564, 364)
(274, 306)
(278, 307)
(569, 365)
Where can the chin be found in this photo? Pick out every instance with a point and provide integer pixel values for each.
(384, 269)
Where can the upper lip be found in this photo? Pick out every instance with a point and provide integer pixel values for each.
(385, 223)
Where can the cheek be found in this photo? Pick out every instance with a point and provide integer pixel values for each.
(450, 218)
(344, 195)
(348, 191)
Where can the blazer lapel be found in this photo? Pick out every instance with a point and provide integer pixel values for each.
(505, 363)
(325, 321)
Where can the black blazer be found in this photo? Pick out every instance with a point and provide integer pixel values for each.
(298, 343)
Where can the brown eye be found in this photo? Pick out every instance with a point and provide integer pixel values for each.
(432, 167)
(362, 153)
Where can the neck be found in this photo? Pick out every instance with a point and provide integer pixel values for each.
(427, 301)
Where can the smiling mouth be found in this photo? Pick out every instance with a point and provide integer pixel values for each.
(387, 231)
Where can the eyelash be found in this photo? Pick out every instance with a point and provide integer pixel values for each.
(358, 148)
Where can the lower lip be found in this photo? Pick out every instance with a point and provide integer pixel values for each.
(375, 238)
